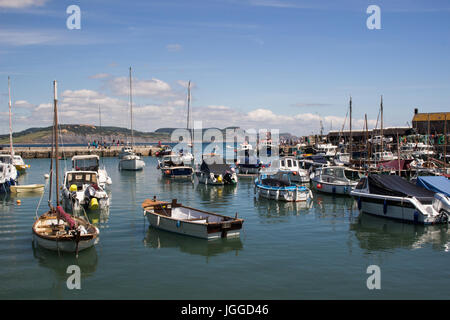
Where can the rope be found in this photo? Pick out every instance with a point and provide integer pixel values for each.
(42, 196)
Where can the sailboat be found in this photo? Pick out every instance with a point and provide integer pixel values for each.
(131, 161)
(56, 230)
(17, 160)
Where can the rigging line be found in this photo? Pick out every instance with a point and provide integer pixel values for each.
(42, 196)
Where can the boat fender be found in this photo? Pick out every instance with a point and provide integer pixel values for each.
(359, 203)
(319, 186)
(345, 189)
(334, 189)
(178, 224)
(385, 206)
(416, 216)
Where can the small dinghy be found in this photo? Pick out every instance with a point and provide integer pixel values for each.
(27, 188)
(174, 217)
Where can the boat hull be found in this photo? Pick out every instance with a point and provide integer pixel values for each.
(190, 229)
(331, 188)
(181, 172)
(397, 208)
(282, 194)
(27, 188)
(132, 164)
(65, 246)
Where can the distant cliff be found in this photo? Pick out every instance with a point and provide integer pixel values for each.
(82, 134)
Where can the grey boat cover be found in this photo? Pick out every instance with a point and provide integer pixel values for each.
(391, 185)
(215, 168)
(435, 183)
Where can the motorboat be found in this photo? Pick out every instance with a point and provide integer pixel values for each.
(216, 174)
(163, 151)
(335, 180)
(92, 163)
(172, 166)
(20, 165)
(291, 165)
(82, 191)
(325, 149)
(384, 156)
(248, 165)
(174, 217)
(131, 162)
(277, 185)
(8, 173)
(393, 197)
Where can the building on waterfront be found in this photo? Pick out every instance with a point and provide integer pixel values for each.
(431, 123)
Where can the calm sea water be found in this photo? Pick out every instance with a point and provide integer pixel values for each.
(287, 251)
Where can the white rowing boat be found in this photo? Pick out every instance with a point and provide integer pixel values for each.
(174, 217)
(27, 188)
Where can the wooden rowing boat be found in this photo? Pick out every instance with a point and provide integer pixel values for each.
(174, 217)
(27, 188)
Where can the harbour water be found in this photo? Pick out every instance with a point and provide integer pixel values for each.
(286, 251)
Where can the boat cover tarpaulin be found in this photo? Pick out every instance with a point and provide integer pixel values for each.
(394, 164)
(391, 185)
(435, 183)
(215, 168)
(66, 217)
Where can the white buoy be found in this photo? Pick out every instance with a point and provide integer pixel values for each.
(46, 176)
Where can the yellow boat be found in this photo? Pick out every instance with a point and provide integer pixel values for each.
(27, 188)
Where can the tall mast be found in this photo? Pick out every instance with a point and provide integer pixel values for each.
(131, 113)
(189, 114)
(55, 130)
(351, 135)
(10, 121)
(367, 139)
(381, 126)
(445, 141)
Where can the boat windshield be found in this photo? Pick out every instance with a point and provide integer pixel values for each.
(88, 164)
(352, 175)
(5, 159)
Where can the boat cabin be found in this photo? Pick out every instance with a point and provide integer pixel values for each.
(5, 158)
(80, 178)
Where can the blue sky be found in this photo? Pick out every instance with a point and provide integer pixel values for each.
(253, 63)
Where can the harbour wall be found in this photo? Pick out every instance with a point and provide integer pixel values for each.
(68, 152)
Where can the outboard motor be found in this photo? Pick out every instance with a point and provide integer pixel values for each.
(228, 178)
(89, 196)
(441, 203)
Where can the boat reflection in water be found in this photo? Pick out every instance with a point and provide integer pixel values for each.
(208, 192)
(87, 261)
(276, 211)
(158, 239)
(380, 234)
(99, 218)
(334, 205)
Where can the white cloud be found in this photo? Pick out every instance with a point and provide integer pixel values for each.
(121, 86)
(22, 104)
(174, 47)
(100, 76)
(21, 3)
